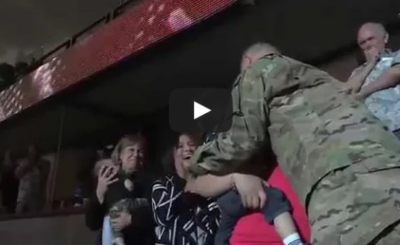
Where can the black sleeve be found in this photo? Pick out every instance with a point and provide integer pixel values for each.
(142, 216)
(95, 213)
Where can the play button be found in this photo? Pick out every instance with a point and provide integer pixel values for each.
(199, 110)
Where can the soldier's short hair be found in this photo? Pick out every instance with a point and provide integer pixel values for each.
(260, 48)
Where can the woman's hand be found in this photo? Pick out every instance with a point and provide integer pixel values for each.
(251, 190)
(106, 177)
(123, 220)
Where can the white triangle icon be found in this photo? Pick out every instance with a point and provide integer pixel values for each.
(199, 110)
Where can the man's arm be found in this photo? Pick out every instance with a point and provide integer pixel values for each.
(210, 185)
(230, 149)
(390, 78)
(359, 75)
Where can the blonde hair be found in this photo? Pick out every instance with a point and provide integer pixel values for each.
(125, 141)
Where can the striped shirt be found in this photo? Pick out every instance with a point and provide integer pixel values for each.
(182, 218)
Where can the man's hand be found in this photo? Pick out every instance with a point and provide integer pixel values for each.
(372, 55)
(251, 190)
(361, 96)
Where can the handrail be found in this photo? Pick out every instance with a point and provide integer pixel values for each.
(65, 44)
(104, 19)
(115, 13)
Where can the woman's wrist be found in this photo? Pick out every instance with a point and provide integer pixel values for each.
(100, 198)
(233, 180)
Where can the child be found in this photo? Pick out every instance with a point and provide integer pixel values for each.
(276, 211)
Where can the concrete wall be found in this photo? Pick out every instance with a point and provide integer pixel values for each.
(342, 67)
(58, 230)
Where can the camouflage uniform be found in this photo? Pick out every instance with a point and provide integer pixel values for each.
(341, 160)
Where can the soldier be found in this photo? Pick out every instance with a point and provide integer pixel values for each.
(342, 161)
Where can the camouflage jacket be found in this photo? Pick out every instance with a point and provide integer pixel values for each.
(314, 127)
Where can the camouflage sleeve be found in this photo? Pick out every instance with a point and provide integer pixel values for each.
(251, 94)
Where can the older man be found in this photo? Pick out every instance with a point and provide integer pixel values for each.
(341, 160)
(375, 82)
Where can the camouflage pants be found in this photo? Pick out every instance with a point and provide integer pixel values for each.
(126, 205)
(356, 208)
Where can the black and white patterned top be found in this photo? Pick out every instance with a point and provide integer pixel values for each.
(182, 218)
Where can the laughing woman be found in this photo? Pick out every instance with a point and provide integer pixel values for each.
(185, 218)
(182, 218)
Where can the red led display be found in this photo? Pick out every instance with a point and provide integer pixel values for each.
(148, 22)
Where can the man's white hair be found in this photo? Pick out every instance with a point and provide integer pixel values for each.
(375, 27)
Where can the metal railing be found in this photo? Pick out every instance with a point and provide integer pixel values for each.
(36, 62)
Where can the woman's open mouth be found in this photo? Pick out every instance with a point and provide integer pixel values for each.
(187, 157)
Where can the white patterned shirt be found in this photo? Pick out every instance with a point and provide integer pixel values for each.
(384, 104)
(178, 221)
